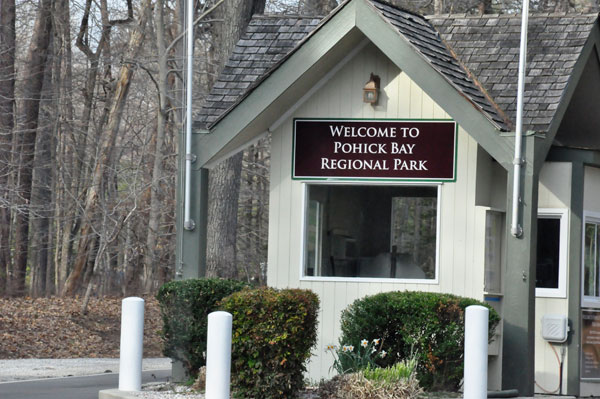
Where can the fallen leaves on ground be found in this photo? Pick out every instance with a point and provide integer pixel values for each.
(55, 328)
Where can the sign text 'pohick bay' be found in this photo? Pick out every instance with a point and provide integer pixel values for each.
(374, 149)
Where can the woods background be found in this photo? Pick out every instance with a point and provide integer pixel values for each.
(91, 95)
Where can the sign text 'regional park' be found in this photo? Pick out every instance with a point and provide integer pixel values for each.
(374, 149)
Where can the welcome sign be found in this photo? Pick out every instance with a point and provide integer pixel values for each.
(374, 149)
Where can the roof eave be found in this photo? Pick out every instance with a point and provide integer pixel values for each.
(592, 42)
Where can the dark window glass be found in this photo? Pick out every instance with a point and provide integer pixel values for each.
(548, 248)
(371, 231)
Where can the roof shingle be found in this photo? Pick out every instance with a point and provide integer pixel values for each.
(478, 55)
(554, 45)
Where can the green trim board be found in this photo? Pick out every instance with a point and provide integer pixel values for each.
(574, 277)
(317, 148)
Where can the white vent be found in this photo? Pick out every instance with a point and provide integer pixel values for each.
(555, 328)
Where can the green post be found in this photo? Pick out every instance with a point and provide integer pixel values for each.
(518, 345)
(191, 244)
(190, 254)
(574, 276)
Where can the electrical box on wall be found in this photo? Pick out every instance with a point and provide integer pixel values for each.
(555, 328)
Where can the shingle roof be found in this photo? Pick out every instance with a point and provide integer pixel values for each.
(484, 47)
(488, 45)
(266, 41)
(270, 39)
(423, 36)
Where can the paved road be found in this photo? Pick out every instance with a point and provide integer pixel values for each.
(71, 387)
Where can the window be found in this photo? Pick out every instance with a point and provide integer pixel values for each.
(551, 265)
(371, 231)
(591, 260)
(494, 230)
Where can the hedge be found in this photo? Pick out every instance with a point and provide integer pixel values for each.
(428, 325)
(273, 333)
(184, 307)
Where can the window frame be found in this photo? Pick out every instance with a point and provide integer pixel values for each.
(588, 301)
(563, 215)
(304, 227)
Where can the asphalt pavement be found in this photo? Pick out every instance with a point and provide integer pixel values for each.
(85, 387)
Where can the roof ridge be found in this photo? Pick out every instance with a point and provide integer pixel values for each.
(387, 3)
(531, 15)
(281, 16)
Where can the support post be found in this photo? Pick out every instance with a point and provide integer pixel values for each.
(191, 244)
(518, 345)
(218, 355)
(132, 338)
(190, 254)
(476, 352)
(574, 275)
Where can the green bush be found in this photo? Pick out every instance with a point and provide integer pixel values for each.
(273, 333)
(184, 307)
(427, 325)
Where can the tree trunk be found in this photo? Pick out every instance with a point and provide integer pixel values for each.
(151, 255)
(41, 190)
(224, 180)
(105, 152)
(33, 78)
(66, 142)
(223, 195)
(7, 88)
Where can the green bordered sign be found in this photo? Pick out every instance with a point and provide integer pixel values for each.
(373, 149)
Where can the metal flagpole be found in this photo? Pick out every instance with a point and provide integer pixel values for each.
(188, 223)
(516, 229)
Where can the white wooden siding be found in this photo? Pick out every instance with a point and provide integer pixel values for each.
(461, 229)
(554, 192)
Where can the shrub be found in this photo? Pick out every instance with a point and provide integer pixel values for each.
(428, 325)
(273, 333)
(184, 307)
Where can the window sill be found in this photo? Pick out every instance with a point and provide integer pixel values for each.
(370, 280)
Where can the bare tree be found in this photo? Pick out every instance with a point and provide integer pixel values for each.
(106, 150)
(224, 179)
(27, 125)
(7, 90)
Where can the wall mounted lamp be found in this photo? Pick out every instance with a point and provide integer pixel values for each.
(371, 90)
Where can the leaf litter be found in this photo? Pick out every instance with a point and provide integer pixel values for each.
(54, 328)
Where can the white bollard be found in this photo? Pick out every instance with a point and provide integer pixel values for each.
(132, 336)
(218, 355)
(476, 352)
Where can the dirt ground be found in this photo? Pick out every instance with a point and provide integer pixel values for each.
(55, 328)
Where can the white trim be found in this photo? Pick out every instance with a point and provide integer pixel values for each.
(563, 215)
(588, 301)
(304, 226)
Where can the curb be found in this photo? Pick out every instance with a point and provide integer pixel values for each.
(115, 394)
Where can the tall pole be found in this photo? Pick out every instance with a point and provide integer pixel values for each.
(515, 228)
(188, 223)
